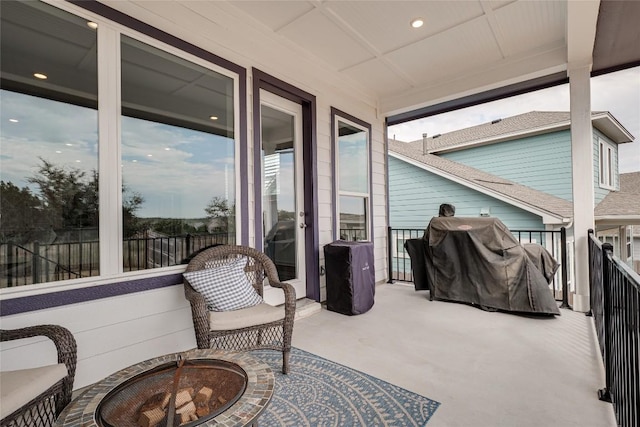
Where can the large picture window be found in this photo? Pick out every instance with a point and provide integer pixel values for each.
(168, 185)
(49, 144)
(178, 161)
(352, 157)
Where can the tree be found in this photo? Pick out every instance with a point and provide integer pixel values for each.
(66, 199)
(69, 197)
(21, 213)
(131, 202)
(286, 215)
(173, 227)
(218, 210)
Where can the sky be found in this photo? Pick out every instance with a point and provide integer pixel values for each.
(177, 171)
(618, 93)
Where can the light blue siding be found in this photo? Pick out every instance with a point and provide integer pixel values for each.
(542, 162)
(415, 196)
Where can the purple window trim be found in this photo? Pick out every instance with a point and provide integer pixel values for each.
(19, 305)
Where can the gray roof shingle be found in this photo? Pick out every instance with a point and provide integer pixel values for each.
(625, 202)
(497, 130)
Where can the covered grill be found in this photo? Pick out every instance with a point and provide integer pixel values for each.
(479, 261)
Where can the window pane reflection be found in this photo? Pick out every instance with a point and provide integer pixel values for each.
(278, 199)
(178, 157)
(353, 159)
(353, 218)
(49, 145)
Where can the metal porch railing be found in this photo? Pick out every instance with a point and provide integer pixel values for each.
(39, 263)
(615, 307)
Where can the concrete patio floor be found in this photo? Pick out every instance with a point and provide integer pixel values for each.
(485, 368)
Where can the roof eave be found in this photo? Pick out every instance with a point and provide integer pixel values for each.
(617, 219)
(612, 128)
(505, 137)
(603, 121)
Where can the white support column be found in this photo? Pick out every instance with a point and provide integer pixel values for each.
(582, 173)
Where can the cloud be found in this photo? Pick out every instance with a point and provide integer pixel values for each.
(177, 171)
(618, 93)
(63, 134)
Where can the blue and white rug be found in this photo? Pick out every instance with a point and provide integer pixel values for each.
(321, 393)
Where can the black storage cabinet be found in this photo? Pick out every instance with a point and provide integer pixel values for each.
(350, 276)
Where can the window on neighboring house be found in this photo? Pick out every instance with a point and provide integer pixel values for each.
(352, 156)
(397, 247)
(134, 180)
(606, 164)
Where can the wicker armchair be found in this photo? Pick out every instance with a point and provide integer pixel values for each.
(35, 397)
(258, 327)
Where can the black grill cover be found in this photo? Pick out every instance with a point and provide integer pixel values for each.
(479, 261)
(415, 249)
(350, 276)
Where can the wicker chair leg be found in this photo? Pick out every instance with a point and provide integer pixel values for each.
(285, 361)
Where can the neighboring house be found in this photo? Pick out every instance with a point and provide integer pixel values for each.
(517, 169)
(618, 220)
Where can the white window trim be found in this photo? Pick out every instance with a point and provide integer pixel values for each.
(336, 158)
(606, 165)
(397, 247)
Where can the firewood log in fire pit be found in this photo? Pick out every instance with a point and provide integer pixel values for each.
(190, 406)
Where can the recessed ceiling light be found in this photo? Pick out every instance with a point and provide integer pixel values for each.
(77, 161)
(213, 117)
(134, 161)
(13, 120)
(167, 149)
(68, 144)
(417, 23)
(149, 155)
(58, 152)
(92, 25)
(40, 76)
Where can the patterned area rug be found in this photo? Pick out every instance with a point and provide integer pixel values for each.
(321, 393)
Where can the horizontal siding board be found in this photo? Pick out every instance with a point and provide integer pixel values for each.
(96, 368)
(415, 196)
(542, 162)
(111, 326)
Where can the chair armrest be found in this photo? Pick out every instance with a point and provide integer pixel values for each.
(289, 296)
(200, 315)
(65, 345)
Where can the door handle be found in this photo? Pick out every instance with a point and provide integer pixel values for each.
(303, 225)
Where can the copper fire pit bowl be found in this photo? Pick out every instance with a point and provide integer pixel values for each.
(243, 383)
(123, 405)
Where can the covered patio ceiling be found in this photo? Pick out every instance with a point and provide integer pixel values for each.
(463, 49)
(467, 52)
